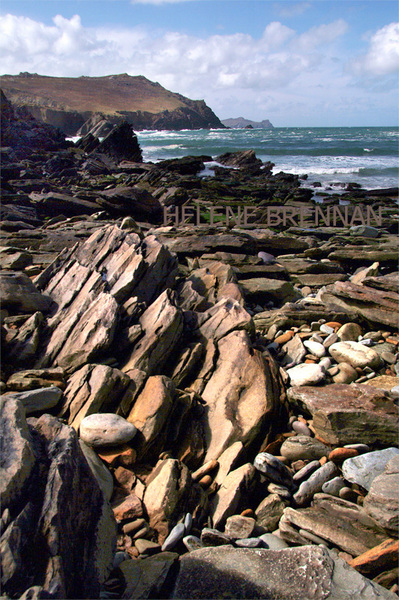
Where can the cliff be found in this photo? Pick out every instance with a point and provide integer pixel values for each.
(241, 123)
(68, 102)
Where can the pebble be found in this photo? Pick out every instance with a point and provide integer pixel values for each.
(334, 486)
(349, 332)
(306, 374)
(205, 481)
(175, 536)
(325, 363)
(314, 484)
(253, 542)
(273, 468)
(345, 373)
(192, 543)
(301, 428)
(285, 337)
(267, 259)
(346, 493)
(389, 357)
(302, 447)
(147, 547)
(207, 468)
(365, 468)
(306, 471)
(188, 523)
(238, 527)
(367, 342)
(316, 348)
(316, 338)
(334, 325)
(338, 455)
(361, 448)
(355, 354)
(326, 329)
(280, 490)
(213, 537)
(273, 542)
(135, 525)
(106, 429)
(330, 340)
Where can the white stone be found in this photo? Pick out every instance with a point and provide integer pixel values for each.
(315, 348)
(356, 354)
(306, 374)
(106, 429)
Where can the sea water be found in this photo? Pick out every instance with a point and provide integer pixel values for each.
(332, 156)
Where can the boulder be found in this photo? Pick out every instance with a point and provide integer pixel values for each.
(355, 354)
(344, 414)
(365, 468)
(262, 290)
(20, 295)
(134, 201)
(39, 400)
(106, 429)
(292, 573)
(145, 578)
(382, 501)
(121, 144)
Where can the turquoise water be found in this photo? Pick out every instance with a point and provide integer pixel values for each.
(330, 155)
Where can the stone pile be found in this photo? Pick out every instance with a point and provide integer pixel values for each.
(188, 411)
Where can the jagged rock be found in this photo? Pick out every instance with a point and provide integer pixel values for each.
(99, 470)
(269, 512)
(20, 295)
(241, 396)
(145, 578)
(233, 492)
(150, 413)
(92, 389)
(17, 456)
(22, 349)
(221, 319)
(229, 460)
(166, 489)
(262, 290)
(61, 504)
(344, 414)
(14, 259)
(376, 306)
(336, 521)
(238, 527)
(382, 501)
(121, 144)
(162, 324)
(192, 244)
(292, 573)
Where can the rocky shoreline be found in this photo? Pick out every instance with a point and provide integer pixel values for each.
(191, 411)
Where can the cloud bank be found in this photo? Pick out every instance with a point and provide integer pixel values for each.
(281, 75)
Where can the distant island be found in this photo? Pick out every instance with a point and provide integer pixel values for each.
(77, 104)
(241, 123)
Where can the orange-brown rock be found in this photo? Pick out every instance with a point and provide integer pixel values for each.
(125, 479)
(284, 337)
(123, 456)
(380, 558)
(129, 508)
(338, 455)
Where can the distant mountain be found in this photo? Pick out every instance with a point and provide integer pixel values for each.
(241, 123)
(67, 102)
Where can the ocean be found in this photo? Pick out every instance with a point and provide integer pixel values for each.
(332, 156)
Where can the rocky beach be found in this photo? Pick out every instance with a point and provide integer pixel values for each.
(198, 400)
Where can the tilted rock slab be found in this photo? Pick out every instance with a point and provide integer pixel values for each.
(88, 285)
(242, 395)
(346, 414)
(377, 306)
(382, 501)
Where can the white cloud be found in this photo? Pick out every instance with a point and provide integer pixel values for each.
(292, 10)
(382, 57)
(235, 73)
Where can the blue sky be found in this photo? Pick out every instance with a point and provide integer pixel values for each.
(304, 63)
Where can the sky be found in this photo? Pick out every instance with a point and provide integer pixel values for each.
(297, 63)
